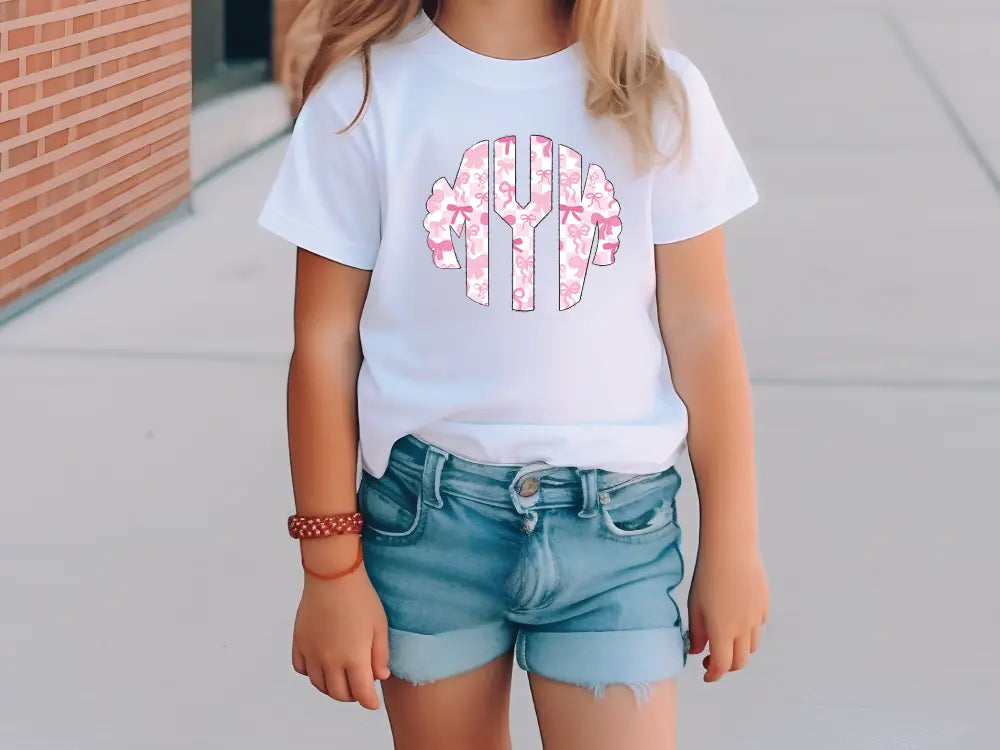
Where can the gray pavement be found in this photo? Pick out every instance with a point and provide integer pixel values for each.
(141, 411)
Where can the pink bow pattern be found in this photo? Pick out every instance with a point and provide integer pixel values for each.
(589, 218)
(523, 219)
(450, 209)
(575, 237)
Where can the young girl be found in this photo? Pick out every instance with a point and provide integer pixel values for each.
(507, 214)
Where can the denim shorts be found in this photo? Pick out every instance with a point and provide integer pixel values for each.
(571, 568)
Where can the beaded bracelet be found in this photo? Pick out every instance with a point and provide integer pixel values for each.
(317, 527)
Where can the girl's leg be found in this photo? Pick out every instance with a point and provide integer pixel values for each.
(466, 711)
(570, 718)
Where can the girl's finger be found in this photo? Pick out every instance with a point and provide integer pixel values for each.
(337, 686)
(722, 658)
(754, 640)
(362, 684)
(697, 634)
(741, 653)
(380, 653)
(298, 661)
(314, 670)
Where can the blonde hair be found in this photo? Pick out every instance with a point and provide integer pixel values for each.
(629, 78)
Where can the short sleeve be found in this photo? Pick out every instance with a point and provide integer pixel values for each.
(706, 186)
(325, 198)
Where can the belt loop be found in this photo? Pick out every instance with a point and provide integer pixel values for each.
(588, 483)
(430, 490)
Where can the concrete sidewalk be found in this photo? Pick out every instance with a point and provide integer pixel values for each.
(141, 410)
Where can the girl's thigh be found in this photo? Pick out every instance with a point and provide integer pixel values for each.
(469, 710)
(571, 718)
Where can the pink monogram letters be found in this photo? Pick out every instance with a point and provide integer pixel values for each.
(588, 215)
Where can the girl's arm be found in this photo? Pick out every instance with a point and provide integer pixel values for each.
(340, 638)
(729, 598)
(323, 384)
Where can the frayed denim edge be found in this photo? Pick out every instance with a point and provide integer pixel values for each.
(642, 691)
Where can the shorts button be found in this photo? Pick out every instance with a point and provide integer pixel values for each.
(528, 487)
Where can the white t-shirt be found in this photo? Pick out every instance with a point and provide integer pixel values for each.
(511, 316)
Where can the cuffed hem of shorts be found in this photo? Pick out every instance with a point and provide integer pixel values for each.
(595, 660)
(420, 658)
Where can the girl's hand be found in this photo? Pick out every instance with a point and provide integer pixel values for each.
(727, 607)
(341, 639)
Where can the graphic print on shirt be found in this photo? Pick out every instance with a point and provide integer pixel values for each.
(523, 219)
(588, 214)
(581, 211)
(464, 205)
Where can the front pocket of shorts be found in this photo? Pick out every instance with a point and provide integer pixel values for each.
(392, 513)
(642, 510)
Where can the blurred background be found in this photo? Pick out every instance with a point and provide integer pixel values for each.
(146, 586)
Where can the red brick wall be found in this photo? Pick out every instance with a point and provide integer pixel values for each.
(94, 118)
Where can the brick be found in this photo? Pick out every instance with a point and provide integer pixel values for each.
(169, 95)
(13, 186)
(40, 175)
(135, 84)
(62, 192)
(116, 130)
(69, 53)
(181, 45)
(9, 70)
(151, 126)
(9, 10)
(98, 98)
(9, 244)
(9, 129)
(53, 30)
(83, 23)
(85, 76)
(18, 38)
(89, 179)
(100, 44)
(65, 216)
(57, 85)
(21, 154)
(57, 247)
(41, 118)
(125, 161)
(20, 212)
(81, 157)
(117, 189)
(143, 56)
(105, 121)
(38, 61)
(43, 228)
(75, 212)
(144, 32)
(56, 140)
(20, 96)
(71, 107)
(91, 228)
